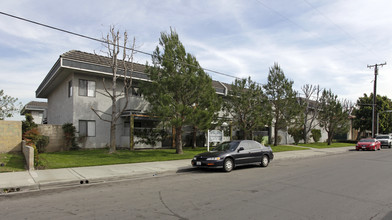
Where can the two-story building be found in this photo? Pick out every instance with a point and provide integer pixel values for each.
(75, 85)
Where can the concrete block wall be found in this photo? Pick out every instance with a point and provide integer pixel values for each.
(10, 136)
(56, 137)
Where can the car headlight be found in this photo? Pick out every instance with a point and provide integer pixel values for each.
(373, 144)
(194, 158)
(213, 158)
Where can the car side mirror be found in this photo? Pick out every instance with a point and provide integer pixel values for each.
(240, 149)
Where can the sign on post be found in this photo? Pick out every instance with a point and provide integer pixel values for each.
(214, 136)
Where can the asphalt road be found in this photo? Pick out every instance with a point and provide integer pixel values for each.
(354, 185)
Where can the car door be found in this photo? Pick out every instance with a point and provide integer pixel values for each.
(242, 154)
(255, 151)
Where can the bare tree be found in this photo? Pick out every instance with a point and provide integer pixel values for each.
(120, 69)
(311, 106)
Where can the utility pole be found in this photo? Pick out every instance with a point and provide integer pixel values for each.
(375, 94)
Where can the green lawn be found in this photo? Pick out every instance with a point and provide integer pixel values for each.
(97, 157)
(281, 148)
(12, 162)
(325, 145)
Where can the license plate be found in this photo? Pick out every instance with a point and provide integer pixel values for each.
(363, 147)
(198, 163)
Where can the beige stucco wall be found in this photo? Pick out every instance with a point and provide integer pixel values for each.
(10, 136)
(56, 137)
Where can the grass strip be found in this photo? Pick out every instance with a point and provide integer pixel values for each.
(325, 145)
(281, 148)
(98, 157)
(11, 162)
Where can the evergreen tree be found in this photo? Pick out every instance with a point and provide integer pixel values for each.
(180, 91)
(248, 106)
(363, 114)
(280, 92)
(333, 116)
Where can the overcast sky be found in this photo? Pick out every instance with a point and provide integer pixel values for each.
(319, 42)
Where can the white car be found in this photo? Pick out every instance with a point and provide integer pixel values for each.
(385, 139)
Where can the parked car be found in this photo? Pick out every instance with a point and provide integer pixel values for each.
(385, 139)
(368, 144)
(228, 155)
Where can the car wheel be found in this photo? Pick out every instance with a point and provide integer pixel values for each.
(264, 161)
(228, 165)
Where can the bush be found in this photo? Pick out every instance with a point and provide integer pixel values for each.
(70, 138)
(28, 124)
(296, 133)
(316, 134)
(39, 142)
(150, 136)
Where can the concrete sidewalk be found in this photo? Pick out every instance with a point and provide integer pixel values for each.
(56, 178)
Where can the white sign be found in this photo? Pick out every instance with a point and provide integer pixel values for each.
(216, 136)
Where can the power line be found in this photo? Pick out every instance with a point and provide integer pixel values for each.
(105, 42)
(338, 27)
(374, 94)
(304, 29)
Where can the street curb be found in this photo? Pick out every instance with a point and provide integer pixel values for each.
(152, 169)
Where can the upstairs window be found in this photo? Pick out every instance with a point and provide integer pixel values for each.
(86, 88)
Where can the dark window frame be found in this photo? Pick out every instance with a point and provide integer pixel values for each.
(86, 127)
(70, 89)
(84, 87)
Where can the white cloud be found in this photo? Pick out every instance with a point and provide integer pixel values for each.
(233, 37)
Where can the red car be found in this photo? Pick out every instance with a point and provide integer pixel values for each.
(368, 144)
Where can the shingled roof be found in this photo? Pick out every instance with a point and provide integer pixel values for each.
(34, 105)
(98, 64)
(97, 59)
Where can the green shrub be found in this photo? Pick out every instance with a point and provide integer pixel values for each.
(33, 137)
(150, 136)
(70, 137)
(316, 134)
(296, 133)
(28, 124)
(41, 142)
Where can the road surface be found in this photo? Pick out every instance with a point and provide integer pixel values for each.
(354, 185)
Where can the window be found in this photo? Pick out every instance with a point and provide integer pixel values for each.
(86, 88)
(70, 88)
(86, 128)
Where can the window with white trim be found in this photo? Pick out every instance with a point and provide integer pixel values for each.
(86, 128)
(86, 88)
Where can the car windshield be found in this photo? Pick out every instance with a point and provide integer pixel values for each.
(367, 140)
(226, 146)
(382, 137)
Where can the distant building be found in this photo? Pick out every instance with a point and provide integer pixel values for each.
(38, 110)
